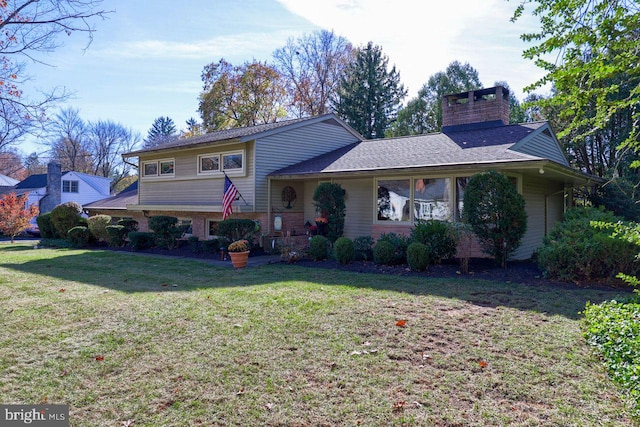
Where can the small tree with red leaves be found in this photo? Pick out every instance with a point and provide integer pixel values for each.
(14, 215)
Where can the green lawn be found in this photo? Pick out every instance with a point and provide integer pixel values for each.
(170, 342)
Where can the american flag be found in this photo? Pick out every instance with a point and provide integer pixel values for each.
(230, 194)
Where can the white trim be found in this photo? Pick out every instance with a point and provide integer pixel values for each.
(200, 172)
(158, 174)
(221, 169)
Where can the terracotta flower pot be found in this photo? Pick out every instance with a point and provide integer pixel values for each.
(239, 259)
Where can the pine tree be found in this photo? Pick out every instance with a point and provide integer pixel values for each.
(370, 94)
(162, 130)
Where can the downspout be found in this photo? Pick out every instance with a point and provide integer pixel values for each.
(268, 207)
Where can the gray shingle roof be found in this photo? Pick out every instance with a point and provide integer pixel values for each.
(456, 148)
(230, 134)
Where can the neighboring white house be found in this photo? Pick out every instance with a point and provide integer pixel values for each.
(55, 187)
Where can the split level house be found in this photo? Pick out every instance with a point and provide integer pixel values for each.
(389, 183)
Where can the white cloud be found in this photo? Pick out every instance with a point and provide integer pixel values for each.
(422, 38)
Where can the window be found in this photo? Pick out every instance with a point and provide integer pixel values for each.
(186, 226)
(69, 186)
(461, 185)
(166, 167)
(394, 200)
(232, 161)
(158, 168)
(150, 169)
(212, 228)
(431, 199)
(209, 163)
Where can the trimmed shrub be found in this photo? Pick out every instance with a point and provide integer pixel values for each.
(129, 224)
(98, 227)
(194, 244)
(55, 243)
(328, 199)
(363, 247)
(79, 236)
(440, 236)
(45, 224)
(64, 217)
(210, 246)
(495, 210)
(234, 229)
(418, 256)
(400, 243)
(116, 235)
(166, 230)
(139, 240)
(576, 249)
(318, 248)
(384, 253)
(344, 250)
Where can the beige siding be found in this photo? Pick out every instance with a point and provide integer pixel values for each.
(538, 196)
(359, 202)
(188, 188)
(291, 147)
(276, 199)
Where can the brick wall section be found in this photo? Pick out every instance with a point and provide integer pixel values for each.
(476, 109)
(470, 248)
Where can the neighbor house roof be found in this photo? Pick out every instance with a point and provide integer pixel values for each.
(33, 181)
(464, 147)
(7, 181)
(128, 196)
(245, 134)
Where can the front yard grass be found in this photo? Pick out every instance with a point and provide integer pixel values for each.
(125, 338)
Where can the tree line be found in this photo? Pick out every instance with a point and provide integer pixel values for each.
(593, 103)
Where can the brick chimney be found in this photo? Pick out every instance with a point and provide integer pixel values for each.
(54, 188)
(475, 109)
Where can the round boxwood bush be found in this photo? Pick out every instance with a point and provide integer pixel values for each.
(45, 224)
(418, 256)
(384, 253)
(318, 248)
(79, 236)
(344, 250)
(129, 224)
(116, 235)
(64, 217)
(438, 235)
(139, 240)
(98, 226)
(363, 246)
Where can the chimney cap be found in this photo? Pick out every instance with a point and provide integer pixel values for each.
(479, 93)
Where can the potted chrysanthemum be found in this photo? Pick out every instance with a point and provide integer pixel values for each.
(239, 253)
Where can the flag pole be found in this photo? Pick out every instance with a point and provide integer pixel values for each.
(239, 194)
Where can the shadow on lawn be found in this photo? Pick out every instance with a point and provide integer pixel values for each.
(130, 273)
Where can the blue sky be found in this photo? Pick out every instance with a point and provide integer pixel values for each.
(146, 59)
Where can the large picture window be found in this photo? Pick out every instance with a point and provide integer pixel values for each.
(394, 200)
(431, 199)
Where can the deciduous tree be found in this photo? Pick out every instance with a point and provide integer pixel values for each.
(423, 114)
(370, 93)
(590, 52)
(14, 215)
(246, 95)
(29, 28)
(311, 67)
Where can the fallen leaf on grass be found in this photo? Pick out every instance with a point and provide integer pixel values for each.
(99, 358)
(399, 406)
(128, 423)
(63, 373)
(482, 364)
(164, 284)
(401, 323)
(62, 290)
(269, 406)
(240, 392)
